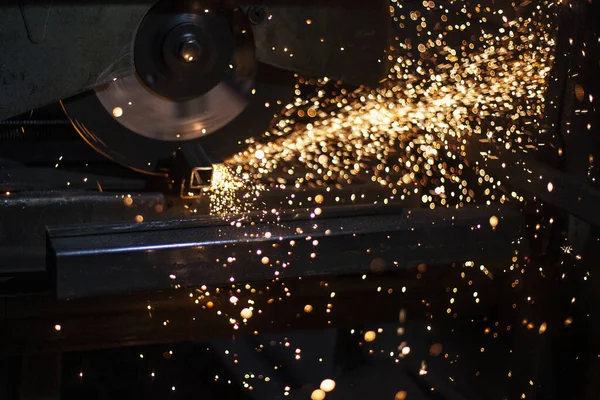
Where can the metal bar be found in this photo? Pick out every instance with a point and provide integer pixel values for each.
(95, 261)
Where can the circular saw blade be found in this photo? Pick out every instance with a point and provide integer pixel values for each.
(141, 118)
(171, 95)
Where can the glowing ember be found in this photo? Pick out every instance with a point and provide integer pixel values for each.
(327, 385)
(317, 394)
(493, 221)
(402, 316)
(117, 112)
(401, 395)
(370, 336)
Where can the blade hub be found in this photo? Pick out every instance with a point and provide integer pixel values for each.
(181, 53)
(190, 49)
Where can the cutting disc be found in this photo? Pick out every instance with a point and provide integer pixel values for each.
(192, 73)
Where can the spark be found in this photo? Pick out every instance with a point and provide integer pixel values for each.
(117, 112)
(370, 336)
(413, 129)
(246, 313)
(401, 395)
(317, 394)
(232, 193)
(327, 385)
(566, 249)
